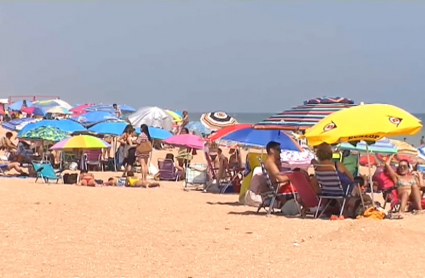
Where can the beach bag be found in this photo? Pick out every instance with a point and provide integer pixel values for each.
(144, 147)
(70, 178)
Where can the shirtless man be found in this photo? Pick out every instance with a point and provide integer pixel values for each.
(117, 110)
(273, 164)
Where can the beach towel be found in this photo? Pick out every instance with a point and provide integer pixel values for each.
(373, 213)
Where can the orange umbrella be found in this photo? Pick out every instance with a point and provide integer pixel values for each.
(227, 130)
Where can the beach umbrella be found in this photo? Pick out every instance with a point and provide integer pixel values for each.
(176, 117)
(369, 122)
(198, 128)
(152, 116)
(46, 133)
(260, 138)
(18, 124)
(383, 146)
(81, 142)
(217, 120)
(17, 105)
(405, 148)
(58, 110)
(306, 115)
(377, 159)
(64, 124)
(81, 107)
(47, 104)
(117, 128)
(34, 111)
(186, 140)
(95, 117)
(421, 152)
(227, 130)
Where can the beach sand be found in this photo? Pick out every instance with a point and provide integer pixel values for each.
(72, 231)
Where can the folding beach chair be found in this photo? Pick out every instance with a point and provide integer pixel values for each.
(269, 197)
(351, 162)
(331, 187)
(196, 174)
(167, 170)
(309, 198)
(94, 158)
(46, 172)
(223, 184)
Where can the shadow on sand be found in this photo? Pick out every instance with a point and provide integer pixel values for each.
(232, 204)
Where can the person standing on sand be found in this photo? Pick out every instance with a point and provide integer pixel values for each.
(422, 142)
(143, 151)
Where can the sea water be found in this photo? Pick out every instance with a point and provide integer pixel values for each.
(252, 118)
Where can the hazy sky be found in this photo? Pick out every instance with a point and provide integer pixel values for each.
(244, 56)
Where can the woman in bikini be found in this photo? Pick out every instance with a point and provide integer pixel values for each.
(408, 184)
(86, 178)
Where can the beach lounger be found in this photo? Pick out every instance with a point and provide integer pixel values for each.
(196, 174)
(167, 170)
(269, 197)
(331, 187)
(45, 171)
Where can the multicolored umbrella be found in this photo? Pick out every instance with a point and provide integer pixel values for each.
(64, 124)
(59, 110)
(404, 148)
(227, 130)
(176, 117)
(306, 115)
(46, 104)
(217, 120)
(81, 142)
(46, 133)
(421, 152)
(34, 111)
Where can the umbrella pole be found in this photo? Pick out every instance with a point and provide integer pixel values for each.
(370, 174)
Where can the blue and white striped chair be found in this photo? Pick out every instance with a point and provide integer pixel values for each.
(331, 187)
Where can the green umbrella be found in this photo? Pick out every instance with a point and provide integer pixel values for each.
(46, 133)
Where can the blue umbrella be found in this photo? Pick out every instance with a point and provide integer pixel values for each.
(18, 124)
(17, 105)
(65, 125)
(198, 127)
(260, 138)
(117, 128)
(95, 117)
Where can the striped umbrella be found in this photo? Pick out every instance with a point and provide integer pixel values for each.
(404, 147)
(421, 152)
(306, 115)
(217, 120)
(384, 146)
(18, 124)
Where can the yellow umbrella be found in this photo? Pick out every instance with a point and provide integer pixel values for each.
(176, 117)
(369, 122)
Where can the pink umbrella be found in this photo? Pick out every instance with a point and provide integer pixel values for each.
(186, 140)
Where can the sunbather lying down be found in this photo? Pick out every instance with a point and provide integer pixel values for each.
(8, 166)
(133, 181)
(87, 179)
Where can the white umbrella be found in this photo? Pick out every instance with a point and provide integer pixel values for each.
(46, 104)
(152, 116)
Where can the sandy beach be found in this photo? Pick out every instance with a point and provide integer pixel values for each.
(71, 231)
(56, 230)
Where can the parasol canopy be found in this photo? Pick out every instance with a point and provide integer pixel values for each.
(186, 140)
(46, 133)
(152, 116)
(306, 115)
(217, 120)
(81, 142)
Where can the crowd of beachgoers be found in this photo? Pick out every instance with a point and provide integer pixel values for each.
(270, 166)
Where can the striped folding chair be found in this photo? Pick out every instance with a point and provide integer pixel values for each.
(331, 187)
(269, 197)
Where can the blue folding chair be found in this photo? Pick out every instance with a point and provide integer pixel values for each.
(331, 187)
(46, 172)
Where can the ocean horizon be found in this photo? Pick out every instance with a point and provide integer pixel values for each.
(252, 118)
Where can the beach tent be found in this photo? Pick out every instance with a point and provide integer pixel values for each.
(152, 116)
(306, 115)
